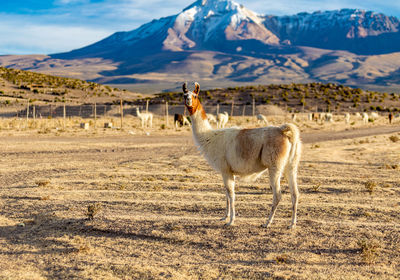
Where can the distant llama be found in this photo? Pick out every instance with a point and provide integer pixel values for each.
(365, 117)
(146, 118)
(329, 117)
(347, 118)
(374, 116)
(247, 153)
(261, 119)
(390, 117)
(180, 120)
(211, 118)
(222, 119)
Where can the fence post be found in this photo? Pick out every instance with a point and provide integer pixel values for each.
(147, 106)
(27, 110)
(217, 109)
(95, 114)
(64, 114)
(27, 114)
(233, 104)
(121, 112)
(254, 107)
(244, 110)
(34, 112)
(166, 112)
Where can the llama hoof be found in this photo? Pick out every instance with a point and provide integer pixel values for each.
(265, 225)
(225, 219)
(229, 224)
(292, 227)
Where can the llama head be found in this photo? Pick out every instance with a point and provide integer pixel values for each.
(191, 98)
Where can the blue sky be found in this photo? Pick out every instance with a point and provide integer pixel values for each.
(51, 26)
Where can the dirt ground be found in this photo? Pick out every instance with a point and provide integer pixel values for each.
(156, 206)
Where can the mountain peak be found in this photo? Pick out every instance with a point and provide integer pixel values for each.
(216, 5)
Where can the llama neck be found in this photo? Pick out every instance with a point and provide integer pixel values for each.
(200, 123)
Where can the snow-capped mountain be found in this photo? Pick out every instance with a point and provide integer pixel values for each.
(204, 25)
(347, 29)
(226, 26)
(222, 41)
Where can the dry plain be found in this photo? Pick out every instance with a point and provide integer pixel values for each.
(156, 206)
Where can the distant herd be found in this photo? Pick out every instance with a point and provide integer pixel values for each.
(221, 119)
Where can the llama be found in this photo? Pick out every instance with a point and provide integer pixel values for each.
(328, 117)
(390, 116)
(211, 118)
(262, 119)
(316, 116)
(247, 153)
(365, 117)
(374, 116)
(180, 120)
(146, 118)
(322, 117)
(222, 119)
(347, 118)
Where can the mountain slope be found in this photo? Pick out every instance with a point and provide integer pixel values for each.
(222, 42)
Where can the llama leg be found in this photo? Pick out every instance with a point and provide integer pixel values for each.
(227, 208)
(291, 175)
(229, 182)
(274, 177)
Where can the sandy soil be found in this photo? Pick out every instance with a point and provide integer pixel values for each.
(159, 205)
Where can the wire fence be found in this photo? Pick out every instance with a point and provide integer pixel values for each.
(60, 110)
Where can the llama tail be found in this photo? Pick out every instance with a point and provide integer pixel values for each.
(293, 134)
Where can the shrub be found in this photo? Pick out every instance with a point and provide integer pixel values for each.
(281, 259)
(42, 183)
(316, 187)
(93, 210)
(369, 250)
(370, 186)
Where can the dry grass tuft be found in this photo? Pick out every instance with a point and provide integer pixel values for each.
(394, 138)
(281, 259)
(370, 186)
(81, 245)
(93, 210)
(316, 187)
(42, 183)
(369, 250)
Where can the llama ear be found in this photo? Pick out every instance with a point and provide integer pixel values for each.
(184, 87)
(196, 88)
